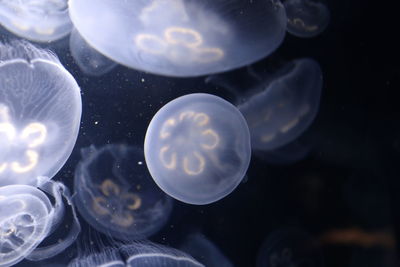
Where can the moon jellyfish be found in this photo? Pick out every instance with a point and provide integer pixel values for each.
(88, 59)
(40, 111)
(290, 247)
(284, 108)
(306, 18)
(204, 251)
(197, 148)
(136, 254)
(153, 255)
(109, 257)
(27, 217)
(36, 20)
(181, 37)
(116, 195)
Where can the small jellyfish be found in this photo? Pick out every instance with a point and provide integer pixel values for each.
(205, 251)
(181, 37)
(108, 257)
(116, 195)
(40, 112)
(90, 61)
(306, 18)
(197, 148)
(27, 217)
(284, 108)
(36, 20)
(154, 255)
(290, 247)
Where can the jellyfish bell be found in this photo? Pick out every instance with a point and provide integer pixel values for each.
(27, 217)
(40, 111)
(306, 18)
(36, 20)
(109, 256)
(149, 254)
(197, 148)
(90, 61)
(115, 194)
(286, 107)
(181, 37)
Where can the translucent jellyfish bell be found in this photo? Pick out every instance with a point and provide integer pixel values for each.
(40, 111)
(306, 18)
(284, 108)
(36, 20)
(197, 148)
(108, 257)
(116, 195)
(90, 61)
(154, 255)
(181, 37)
(27, 217)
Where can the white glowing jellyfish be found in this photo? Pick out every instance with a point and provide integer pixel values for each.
(143, 254)
(197, 148)
(116, 195)
(283, 109)
(36, 20)
(154, 255)
(306, 18)
(27, 217)
(40, 111)
(181, 37)
(90, 61)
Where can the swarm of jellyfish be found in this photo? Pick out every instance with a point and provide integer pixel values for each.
(196, 148)
(40, 111)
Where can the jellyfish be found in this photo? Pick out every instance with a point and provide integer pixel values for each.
(36, 20)
(306, 18)
(197, 148)
(181, 37)
(116, 195)
(280, 107)
(284, 108)
(40, 111)
(290, 247)
(27, 217)
(148, 254)
(205, 251)
(109, 256)
(90, 61)
(134, 254)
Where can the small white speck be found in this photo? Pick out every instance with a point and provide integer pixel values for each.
(142, 80)
(140, 163)
(96, 122)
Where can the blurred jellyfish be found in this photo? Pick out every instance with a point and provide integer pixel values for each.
(116, 195)
(40, 111)
(203, 250)
(36, 20)
(27, 217)
(143, 254)
(154, 255)
(109, 257)
(181, 37)
(197, 148)
(281, 106)
(88, 59)
(306, 18)
(290, 247)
